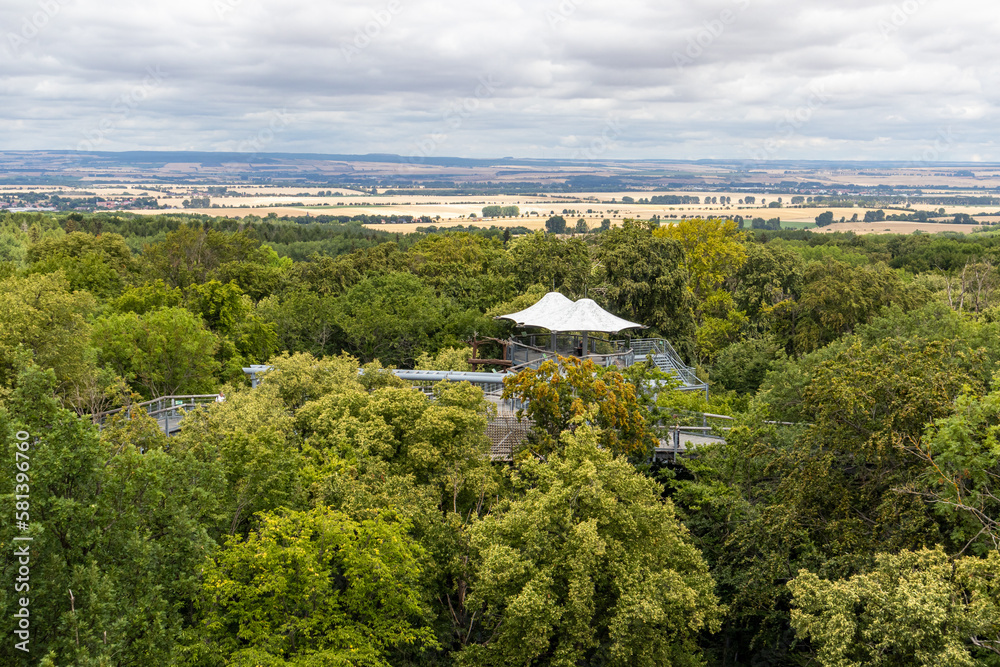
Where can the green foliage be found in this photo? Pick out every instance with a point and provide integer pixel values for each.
(101, 265)
(42, 316)
(556, 225)
(962, 457)
(770, 276)
(589, 564)
(250, 437)
(310, 588)
(561, 265)
(148, 297)
(912, 608)
(713, 251)
(824, 219)
(742, 366)
(389, 317)
(885, 379)
(303, 321)
(837, 297)
(162, 352)
(447, 359)
(230, 313)
(497, 211)
(561, 397)
(124, 531)
(644, 280)
(463, 267)
(191, 255)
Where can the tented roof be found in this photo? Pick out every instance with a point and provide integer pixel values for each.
(557, 314)
(547, 313)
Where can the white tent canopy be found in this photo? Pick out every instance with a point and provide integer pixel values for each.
(547, 313)
(558, 314)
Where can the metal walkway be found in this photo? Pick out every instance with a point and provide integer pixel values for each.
(524, 352)
(505, 430)
(166, 410)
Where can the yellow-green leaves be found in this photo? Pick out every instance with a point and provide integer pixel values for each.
(915, 608)
(315, 587)
(588, 563)
(713, 251)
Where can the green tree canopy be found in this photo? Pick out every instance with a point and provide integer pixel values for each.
(588, 564)
(913, 608)
(162, 352)
(643, 279)
(314, 588)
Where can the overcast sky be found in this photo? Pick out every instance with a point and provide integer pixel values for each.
(751, 79)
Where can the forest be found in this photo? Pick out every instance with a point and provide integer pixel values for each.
(333, 515)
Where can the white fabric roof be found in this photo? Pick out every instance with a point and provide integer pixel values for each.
(557, 313)
(547, 313)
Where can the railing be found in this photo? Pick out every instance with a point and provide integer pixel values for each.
(664, 356)
(166, 410)
(523, 355)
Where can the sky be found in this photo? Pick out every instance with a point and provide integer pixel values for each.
(913, 80)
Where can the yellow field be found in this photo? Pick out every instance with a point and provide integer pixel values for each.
(446, 211)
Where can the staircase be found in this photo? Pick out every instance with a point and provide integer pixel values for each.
(665, 357)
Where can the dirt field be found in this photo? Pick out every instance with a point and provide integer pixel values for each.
(896, 227)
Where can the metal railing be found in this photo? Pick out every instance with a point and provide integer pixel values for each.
(664, 356)
(523, 356)
(165, 410)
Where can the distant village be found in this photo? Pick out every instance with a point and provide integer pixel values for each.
(16, 202)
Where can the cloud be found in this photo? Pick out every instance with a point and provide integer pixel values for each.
(685, 80)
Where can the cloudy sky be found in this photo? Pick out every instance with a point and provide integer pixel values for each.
(822, 79)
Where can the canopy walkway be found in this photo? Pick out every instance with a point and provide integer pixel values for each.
(505, 430)
(524, 352)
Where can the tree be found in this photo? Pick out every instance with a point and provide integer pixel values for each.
(42, 316)
(556, 225)
(100, 264)
(545, 259)
(836, 297)
(390, 318)
(192, 254)
(303, 321)
(742, 366)
(166, 351)
(447, 359)
(825, 218)
(464, 267)
(587, 564)
(835, 483)
(314, 587)
(230, 313)
(581, 227)
(150, 296)
(962, 465)
(123, 530)
(713, 251)
(770, 275)
(913, 608)
(644, 279)
(559, 397)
